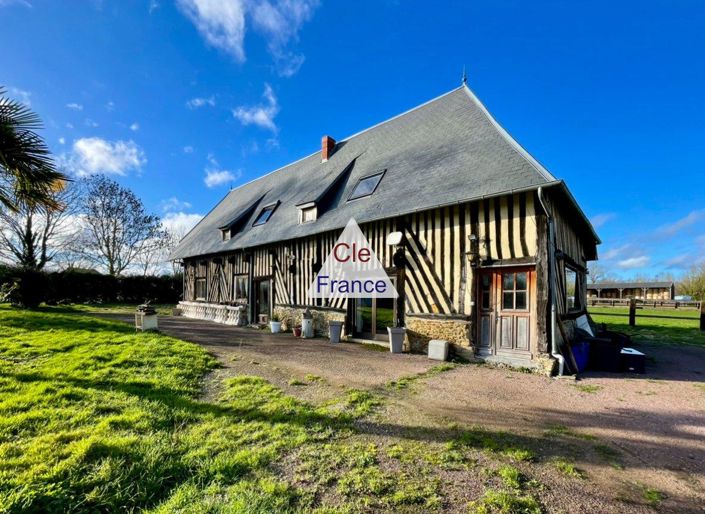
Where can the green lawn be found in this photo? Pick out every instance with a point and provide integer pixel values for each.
(97, 418)
(667, 328)
(94, 417)
(161, 308)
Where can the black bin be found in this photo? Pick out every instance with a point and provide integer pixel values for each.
(632, 361)
(604, 355)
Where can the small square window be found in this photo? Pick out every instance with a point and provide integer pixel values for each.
(366, 186)
(308, 214)
(265, 214)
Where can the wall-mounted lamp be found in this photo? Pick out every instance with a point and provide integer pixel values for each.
(474, 252)
(394, 238)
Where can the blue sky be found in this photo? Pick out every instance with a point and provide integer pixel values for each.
(180, 100)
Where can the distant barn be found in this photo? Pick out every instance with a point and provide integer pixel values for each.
(638, 290)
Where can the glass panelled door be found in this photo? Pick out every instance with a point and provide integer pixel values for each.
(514, 316)
(505, 311)
(263, 298)
(374, 315)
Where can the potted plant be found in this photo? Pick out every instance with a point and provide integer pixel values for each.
(275, 324)
(297, 331)
(396, 339)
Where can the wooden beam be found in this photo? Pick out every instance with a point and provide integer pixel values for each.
(632, 312)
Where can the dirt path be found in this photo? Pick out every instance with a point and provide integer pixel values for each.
(631, 435)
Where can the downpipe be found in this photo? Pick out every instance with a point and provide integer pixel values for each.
(551, 281)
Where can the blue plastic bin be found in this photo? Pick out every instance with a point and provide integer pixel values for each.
(581, 352)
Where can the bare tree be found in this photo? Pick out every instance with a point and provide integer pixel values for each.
(693, 282)
(154, 255)
(34, 235)
(117, 226)
(597, 272)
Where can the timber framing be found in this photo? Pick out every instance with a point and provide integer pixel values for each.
(464, 196)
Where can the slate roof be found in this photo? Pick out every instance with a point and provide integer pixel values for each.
(447, 151)
(630, 285)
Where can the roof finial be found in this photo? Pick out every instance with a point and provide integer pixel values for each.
(465, 76)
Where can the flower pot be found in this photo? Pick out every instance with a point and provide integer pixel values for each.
(275, 326)
(396, 339)
(297, 331)
(335, 328)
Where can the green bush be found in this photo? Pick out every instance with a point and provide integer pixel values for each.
(86, 286)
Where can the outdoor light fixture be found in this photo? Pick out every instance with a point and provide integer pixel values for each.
(394, 238)
(474, 253)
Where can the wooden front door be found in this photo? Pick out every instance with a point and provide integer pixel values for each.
(505, 311)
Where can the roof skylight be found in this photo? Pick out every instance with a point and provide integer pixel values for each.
(366, 186)
(265, 214)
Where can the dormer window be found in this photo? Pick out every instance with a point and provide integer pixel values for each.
(366, 186)
(226, 234)
(308, 212)
(265, 214)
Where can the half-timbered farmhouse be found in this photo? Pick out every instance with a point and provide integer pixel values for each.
(492, 242)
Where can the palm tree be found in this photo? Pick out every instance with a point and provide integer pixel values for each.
(28, 175)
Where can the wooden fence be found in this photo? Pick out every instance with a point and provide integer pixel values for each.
(650, 304)
(635, 304)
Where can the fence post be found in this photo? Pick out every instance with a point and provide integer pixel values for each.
(632, 312)
(702, 316)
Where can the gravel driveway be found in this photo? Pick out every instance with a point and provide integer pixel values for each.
(629, 432)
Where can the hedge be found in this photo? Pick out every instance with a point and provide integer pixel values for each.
(81, 286)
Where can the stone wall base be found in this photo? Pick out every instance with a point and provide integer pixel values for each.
(420, 330)
(291, 317)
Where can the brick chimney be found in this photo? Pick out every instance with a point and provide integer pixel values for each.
(327, 147)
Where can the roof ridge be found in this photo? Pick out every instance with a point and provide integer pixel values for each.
(547, 175)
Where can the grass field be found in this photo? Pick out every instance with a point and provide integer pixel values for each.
(97, 418)
(656, 326)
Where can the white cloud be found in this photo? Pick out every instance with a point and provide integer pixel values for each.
(7, 3)
(599, 220)
(220, 22)
(197, 102)
(153, 6)
(173, 204)
(613, 253)
(280, 23)
(634, 262)
(69, 125)
(93, 155)
(21, 95)
(62, 140)
(110, 106)
(179, 223)
(90, 123)
(74, 106)
(135, 127)
(680, 261)
(188, 149)
(261, 115)
(223, 25)
(671, 229)
(215, 176)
